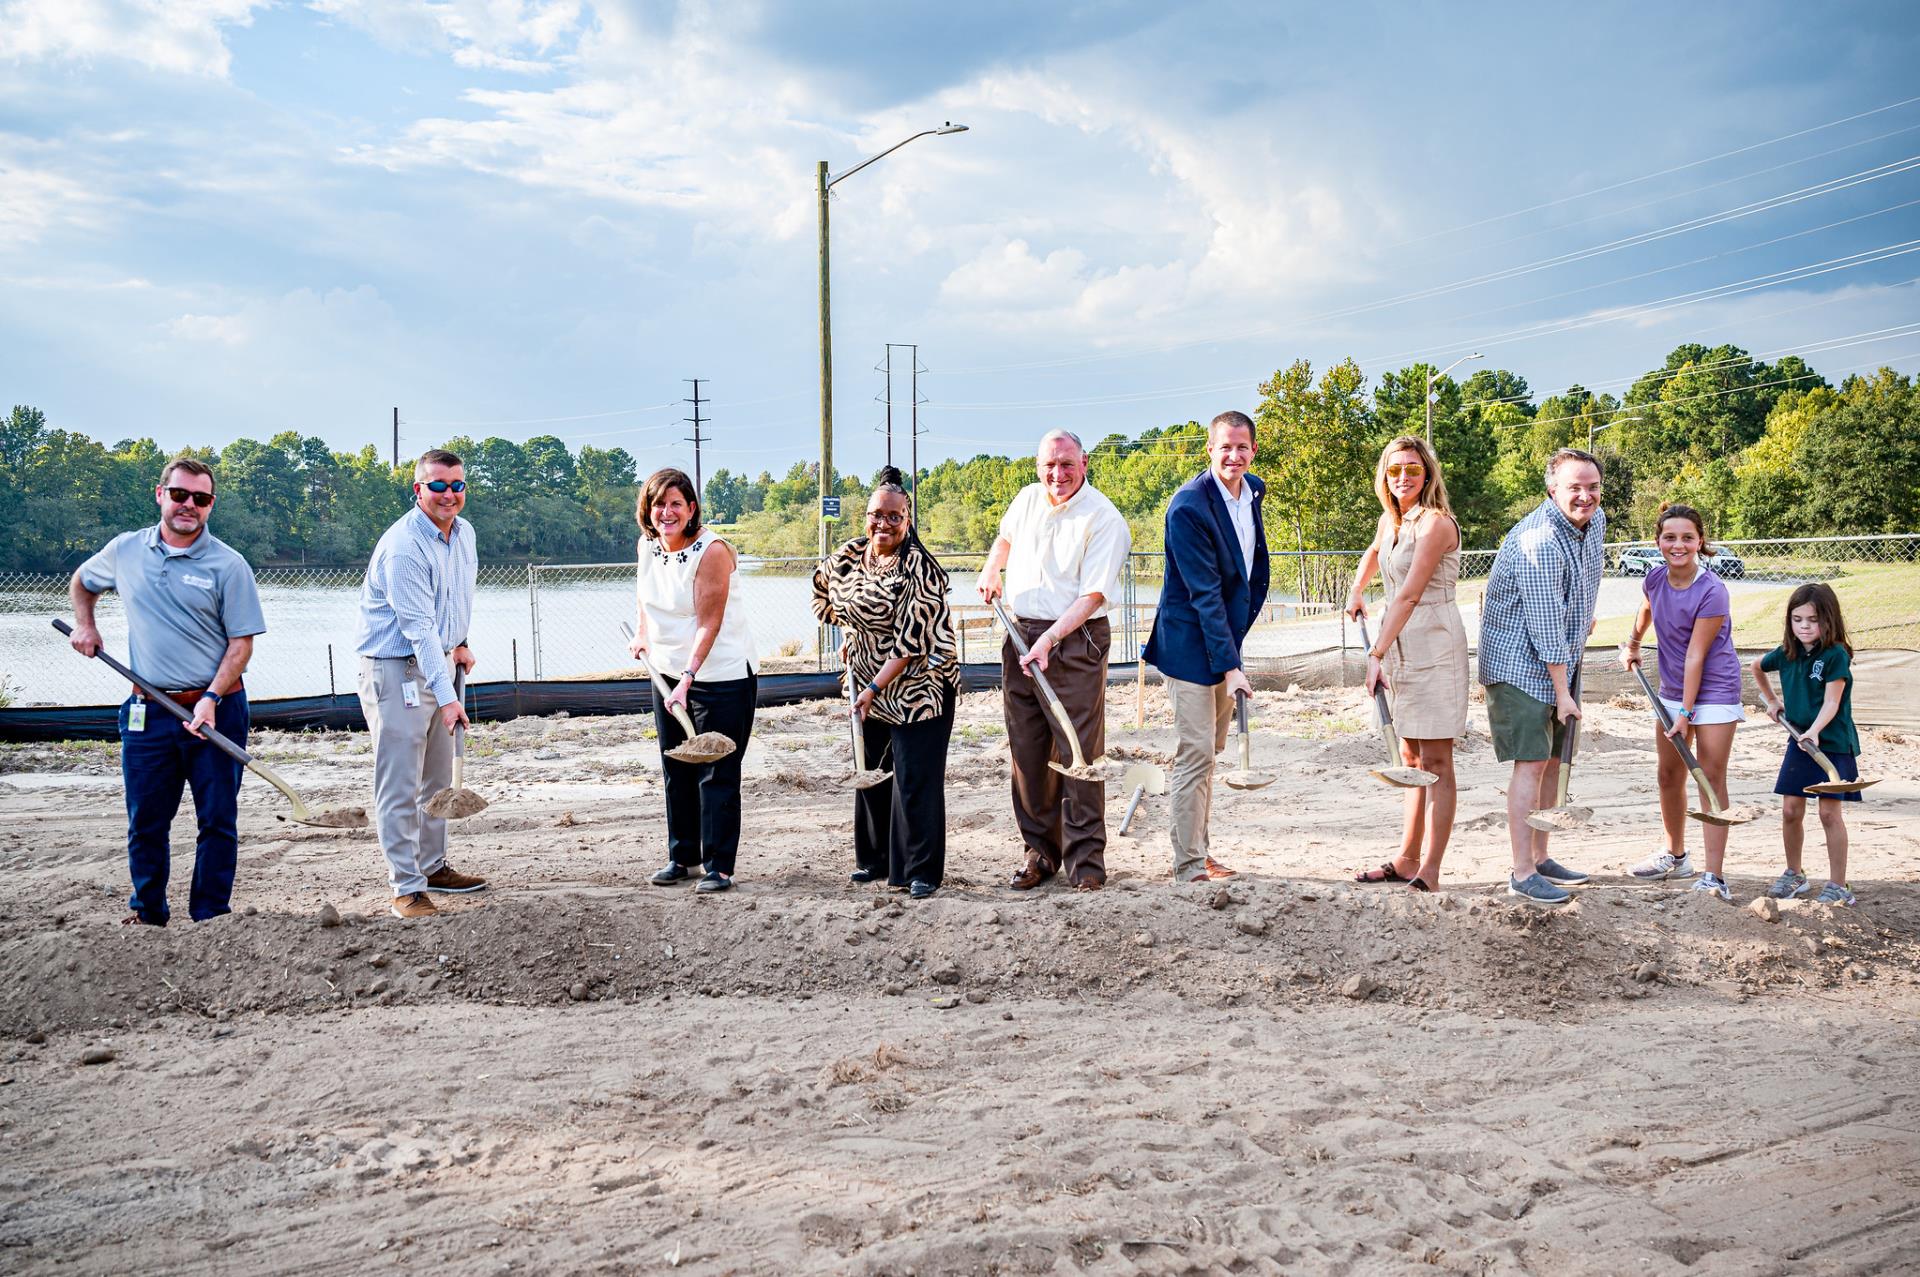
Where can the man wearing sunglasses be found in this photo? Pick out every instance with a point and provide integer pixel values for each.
(415, 606)
(192, 612)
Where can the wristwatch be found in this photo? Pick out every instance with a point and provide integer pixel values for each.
(211, 695)
(1686, 713)
(873, 687)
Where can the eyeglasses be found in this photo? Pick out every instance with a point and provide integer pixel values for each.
(180, 496)
(441, 485)
(1413, 470)
(892, 518)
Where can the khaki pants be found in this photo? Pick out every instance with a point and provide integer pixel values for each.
(1200, 717)
(1062, 821)
(412, 761)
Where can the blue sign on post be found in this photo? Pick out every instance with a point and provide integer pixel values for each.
(829, 507)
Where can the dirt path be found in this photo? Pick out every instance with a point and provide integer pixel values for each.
(575, 1073)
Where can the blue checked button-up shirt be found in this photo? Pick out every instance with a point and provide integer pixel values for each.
(1540, 599)
(417, 599)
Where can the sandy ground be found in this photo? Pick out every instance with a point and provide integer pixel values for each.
(574, 1072)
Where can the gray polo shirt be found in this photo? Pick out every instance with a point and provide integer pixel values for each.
(182, 604)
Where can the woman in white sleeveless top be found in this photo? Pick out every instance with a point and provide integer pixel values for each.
(691, 630)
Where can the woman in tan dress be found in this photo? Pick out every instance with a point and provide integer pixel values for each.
(1420, 651)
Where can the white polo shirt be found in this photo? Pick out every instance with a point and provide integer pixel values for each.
(1062, 552)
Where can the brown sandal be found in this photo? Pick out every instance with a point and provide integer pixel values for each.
(1385, 873)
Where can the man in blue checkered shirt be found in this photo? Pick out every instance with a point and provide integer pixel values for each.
(1533, 625)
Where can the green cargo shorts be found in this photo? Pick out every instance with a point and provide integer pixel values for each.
(1524, 729)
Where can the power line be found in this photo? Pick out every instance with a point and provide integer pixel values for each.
(541, 421)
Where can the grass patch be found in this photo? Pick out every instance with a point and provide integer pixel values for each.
(1881, 603)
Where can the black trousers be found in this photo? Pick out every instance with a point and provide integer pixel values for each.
(703, 799)
(900, 825)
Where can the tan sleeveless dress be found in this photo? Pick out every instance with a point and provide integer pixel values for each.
(1427, 665)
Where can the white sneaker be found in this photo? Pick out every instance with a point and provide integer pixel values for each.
(1714, 885)
(1663, 865)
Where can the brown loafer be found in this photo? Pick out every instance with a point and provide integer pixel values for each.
(447, 878)
(1087, 882)
(1035, 872)
(1217, 870)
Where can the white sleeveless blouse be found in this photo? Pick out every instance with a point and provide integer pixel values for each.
(665, 582)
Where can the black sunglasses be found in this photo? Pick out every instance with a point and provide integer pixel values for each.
(180, 496)
(441, 485)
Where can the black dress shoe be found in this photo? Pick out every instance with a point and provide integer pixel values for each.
(862, 875)
(714, 882)
(921, 890)
(671, 874)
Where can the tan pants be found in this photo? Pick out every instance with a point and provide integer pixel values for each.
(1200, 717)
(412, 761)
(1062, 821)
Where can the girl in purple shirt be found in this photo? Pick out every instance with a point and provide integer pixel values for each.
(1691, 614)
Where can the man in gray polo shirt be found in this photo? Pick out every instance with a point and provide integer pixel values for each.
(192, 611)
(415, 606)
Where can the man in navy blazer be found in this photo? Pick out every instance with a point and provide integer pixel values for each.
(1216, 584)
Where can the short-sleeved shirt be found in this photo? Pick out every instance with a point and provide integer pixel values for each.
(1061, 552)
(183, 604)
(1675, 613)
(898, 611)
(1803, 687)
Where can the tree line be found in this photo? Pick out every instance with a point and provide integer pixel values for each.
(1764, 449)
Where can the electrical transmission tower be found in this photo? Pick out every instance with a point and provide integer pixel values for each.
(696, 438)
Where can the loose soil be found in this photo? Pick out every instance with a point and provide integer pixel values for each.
(575, 1072)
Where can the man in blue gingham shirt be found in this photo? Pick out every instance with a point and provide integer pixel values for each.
(1534, 624)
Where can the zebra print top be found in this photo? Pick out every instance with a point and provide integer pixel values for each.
(899, 610)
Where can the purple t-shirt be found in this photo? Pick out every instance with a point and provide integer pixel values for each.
(1674, 615)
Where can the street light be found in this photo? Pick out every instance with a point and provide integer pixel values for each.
(1433, 377)
(1593, 430)
(825, 182)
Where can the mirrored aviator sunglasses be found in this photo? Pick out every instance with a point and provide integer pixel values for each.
(442, 485)
(180, 496)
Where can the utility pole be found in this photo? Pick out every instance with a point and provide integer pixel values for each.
(822, 182)
(699, 484)
(396, 438)
(886, 366)
(913, 436)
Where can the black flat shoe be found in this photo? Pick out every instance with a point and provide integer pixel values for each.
(714, 882)
(921, 890)
(862, 875)
(670, 875)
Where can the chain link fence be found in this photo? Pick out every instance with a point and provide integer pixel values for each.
(558, 621)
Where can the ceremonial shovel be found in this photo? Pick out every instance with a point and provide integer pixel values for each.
(1563, 814)
(861, 778)
(336, 818)
(1833, 784)
(1715, 814)
(1144, 778)
(1395, 772)
(457, 801)
(1100, 769)
(1246, 777)
(702, 747)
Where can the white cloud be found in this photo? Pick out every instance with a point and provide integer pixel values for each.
(179, 36)
(34, 201)
(225, 330)
(523, 36)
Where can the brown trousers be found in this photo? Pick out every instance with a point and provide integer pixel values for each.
(1062, 821)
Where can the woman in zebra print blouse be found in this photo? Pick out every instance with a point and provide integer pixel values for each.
(890, 595)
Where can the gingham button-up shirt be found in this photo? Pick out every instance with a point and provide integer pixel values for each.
(1540, 599)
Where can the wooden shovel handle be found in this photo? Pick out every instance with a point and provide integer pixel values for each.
(660, 686)
(1040, 680)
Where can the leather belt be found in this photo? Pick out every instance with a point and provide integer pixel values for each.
(192, 695)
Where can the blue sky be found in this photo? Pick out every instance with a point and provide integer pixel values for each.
(222, 218)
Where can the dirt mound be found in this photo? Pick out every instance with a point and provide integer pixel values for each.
(1271, 944)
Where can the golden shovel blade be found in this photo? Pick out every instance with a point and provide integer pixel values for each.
(1404, 777)
(1553, 820)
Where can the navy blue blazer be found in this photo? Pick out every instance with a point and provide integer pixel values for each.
(1208, 602)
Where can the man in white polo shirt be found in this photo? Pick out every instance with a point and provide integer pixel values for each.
(1063, 546)
(192, 612)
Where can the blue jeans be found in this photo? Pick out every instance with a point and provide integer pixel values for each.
(156, 765)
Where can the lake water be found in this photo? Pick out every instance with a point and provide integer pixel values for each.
(309, 624)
